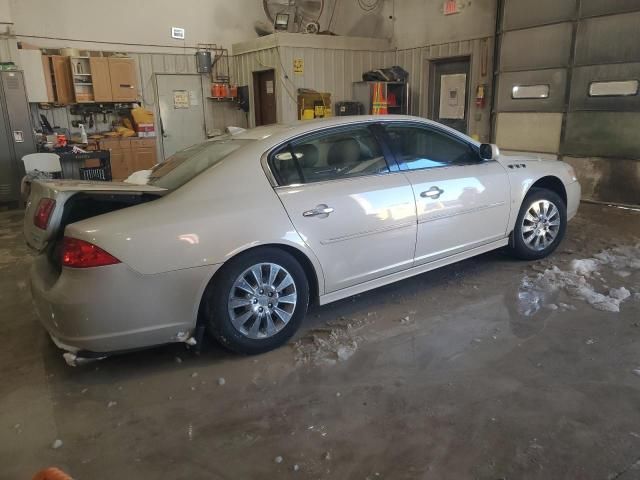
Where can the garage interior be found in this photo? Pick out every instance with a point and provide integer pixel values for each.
(477, 370)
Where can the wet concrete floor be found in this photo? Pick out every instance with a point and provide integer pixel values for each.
(454, 374)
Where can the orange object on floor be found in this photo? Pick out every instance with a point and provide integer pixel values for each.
(51, 473)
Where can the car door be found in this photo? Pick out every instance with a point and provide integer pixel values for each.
(352, 207)
(462, 201)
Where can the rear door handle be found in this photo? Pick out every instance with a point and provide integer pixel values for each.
(321, 210)
(433, 192)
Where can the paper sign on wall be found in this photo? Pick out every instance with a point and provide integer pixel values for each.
(453, 96)
(298, 66)
(181, 99)
(269, 86)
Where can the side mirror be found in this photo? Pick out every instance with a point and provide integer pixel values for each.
(489, 151)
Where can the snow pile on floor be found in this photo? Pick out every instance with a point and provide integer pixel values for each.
(336, 342)
(580, 279)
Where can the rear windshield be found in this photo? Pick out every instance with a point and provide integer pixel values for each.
(187, 164)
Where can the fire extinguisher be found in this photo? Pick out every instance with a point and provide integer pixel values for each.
(480, 96)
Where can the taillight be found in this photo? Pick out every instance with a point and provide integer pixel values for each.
(80, 254)
(43, 213)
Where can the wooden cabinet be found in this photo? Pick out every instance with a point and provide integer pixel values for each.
(124, 85)
(34, 68)
(101, 79)
(61, 79)
(129, 155)
(64, 80)
(144, 153)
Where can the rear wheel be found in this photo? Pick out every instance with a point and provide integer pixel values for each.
(257, 301)
(541, 225)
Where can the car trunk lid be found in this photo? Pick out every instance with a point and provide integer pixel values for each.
(47, 200)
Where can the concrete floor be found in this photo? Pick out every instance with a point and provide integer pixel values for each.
(458, 374)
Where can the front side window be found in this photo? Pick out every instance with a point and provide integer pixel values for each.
(336, 155)
(419, 147)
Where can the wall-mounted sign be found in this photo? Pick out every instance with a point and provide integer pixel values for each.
(269, 87)
(450, 7)
(181, 99)
(298, 66)
(177, 32)
(453, 96)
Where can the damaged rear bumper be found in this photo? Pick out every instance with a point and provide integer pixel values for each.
(95, 312)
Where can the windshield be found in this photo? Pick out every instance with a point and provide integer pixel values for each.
(187, 164)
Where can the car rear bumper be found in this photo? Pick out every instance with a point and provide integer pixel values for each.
(114, 308)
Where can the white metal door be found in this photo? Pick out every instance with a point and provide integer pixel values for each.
(459, 207)
(181, 109)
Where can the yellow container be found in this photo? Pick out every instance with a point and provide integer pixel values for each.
(308, 114)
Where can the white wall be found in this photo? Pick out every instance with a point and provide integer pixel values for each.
(144, 25)
(5, 11)
(422, 22)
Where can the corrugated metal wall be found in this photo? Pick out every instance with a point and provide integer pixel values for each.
(218, 115)
(567, 46)
(416, 62)
(325, 70)
(335, 70)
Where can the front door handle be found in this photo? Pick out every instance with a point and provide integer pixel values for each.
(433, 192)
(321, 210)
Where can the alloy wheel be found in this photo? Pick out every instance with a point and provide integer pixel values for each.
(262, 300)
(540, 225)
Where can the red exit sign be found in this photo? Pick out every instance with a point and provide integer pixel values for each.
(451, 7)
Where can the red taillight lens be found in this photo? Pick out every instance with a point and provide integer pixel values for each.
(43, 213)
(80, 254)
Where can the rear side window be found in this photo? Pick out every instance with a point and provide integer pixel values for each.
(187, 164)
(417, 148)
(334, 155)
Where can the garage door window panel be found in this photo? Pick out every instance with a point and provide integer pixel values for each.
(522, 92)
(418, 148)
(336, 155)
(624, 88)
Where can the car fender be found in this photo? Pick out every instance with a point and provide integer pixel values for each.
(525, 172)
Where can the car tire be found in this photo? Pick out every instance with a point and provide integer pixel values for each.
(234, 296)
(536, 234)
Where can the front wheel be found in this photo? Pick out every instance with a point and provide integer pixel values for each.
(257, 301)
(541, 225)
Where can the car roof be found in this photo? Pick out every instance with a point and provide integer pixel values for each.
(278, 132)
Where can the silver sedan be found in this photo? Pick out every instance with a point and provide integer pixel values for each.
(239, 234)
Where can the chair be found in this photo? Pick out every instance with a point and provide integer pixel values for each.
(43, 162)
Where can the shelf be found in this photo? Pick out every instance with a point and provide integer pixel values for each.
(222, 99)
(81, 74)
(82, 84)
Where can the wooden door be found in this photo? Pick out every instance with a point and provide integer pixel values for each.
(264, 90)
(119, 168)
(63, 81)
(123, 79)
(101, 79)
